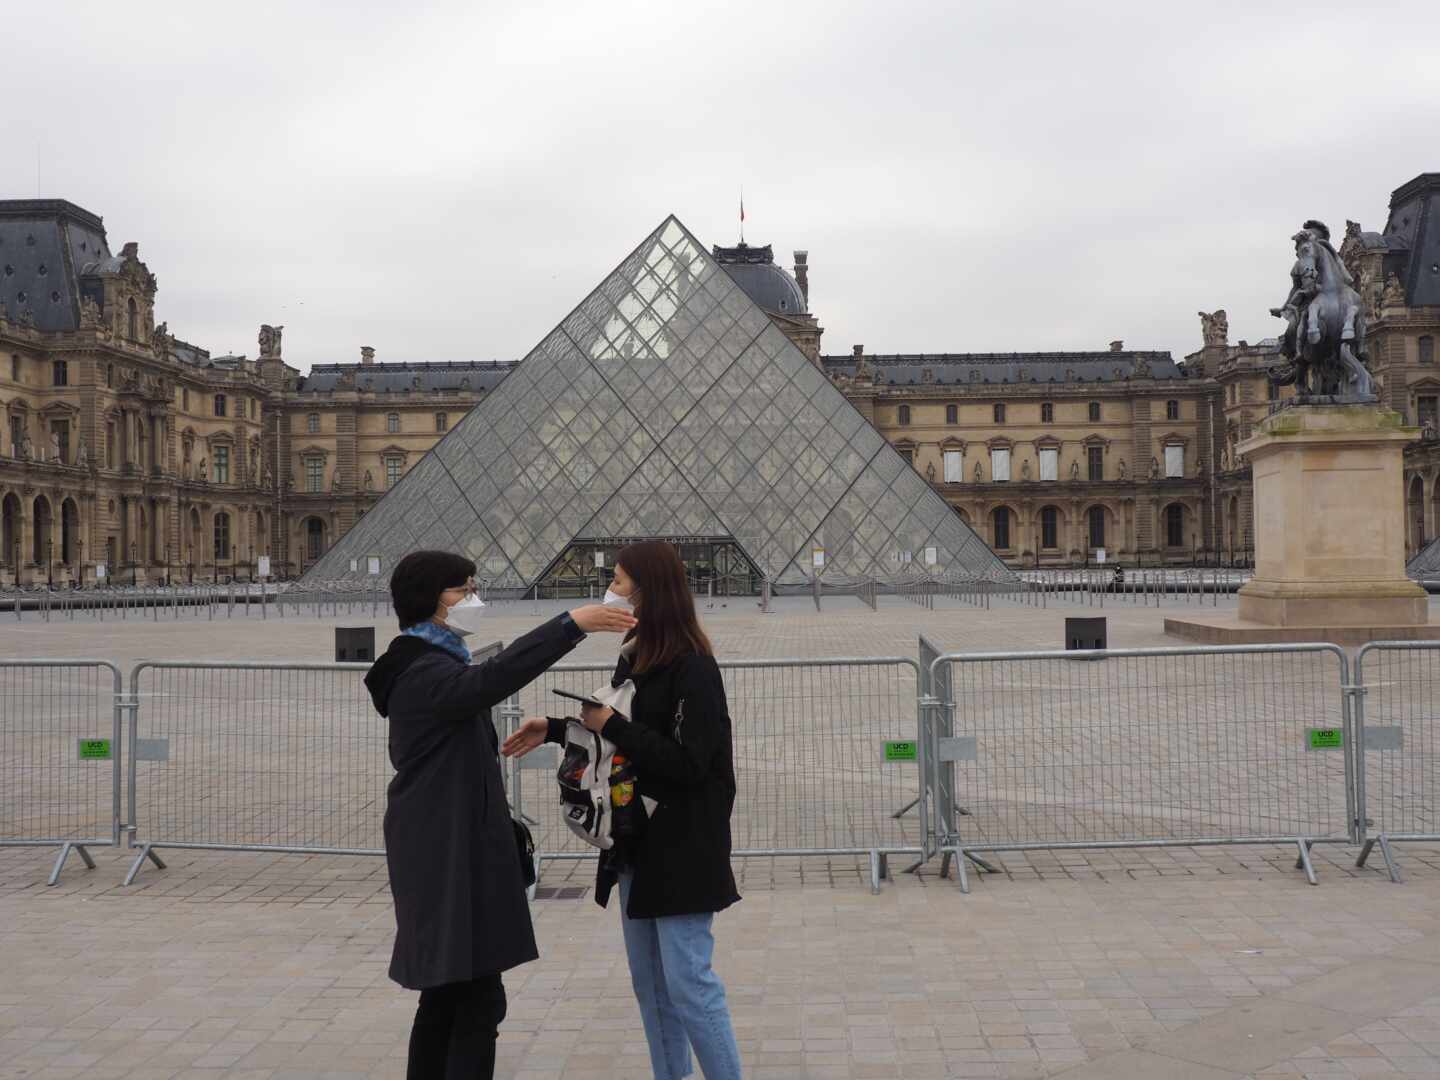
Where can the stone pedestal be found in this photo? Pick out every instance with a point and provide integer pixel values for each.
(1329, 533)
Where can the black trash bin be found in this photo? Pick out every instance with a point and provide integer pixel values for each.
(1086, 634)
(354, 644)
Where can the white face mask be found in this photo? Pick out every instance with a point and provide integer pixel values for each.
(614, 599)
(467, 616)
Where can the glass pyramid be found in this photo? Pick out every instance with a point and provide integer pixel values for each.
(668, 405)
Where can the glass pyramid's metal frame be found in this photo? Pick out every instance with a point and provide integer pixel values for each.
(668, 405)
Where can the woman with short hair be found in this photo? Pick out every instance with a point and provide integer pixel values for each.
(461, 914)
(675, 874)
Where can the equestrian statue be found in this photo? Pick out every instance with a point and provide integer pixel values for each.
(1324, 340)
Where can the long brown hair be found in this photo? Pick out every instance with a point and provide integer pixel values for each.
(668, 628)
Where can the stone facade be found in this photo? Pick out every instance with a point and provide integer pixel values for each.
(129, 447)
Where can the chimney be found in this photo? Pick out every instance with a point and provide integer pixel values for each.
(367, 355)
(802, 274)
(1117, 346)
(858, 351)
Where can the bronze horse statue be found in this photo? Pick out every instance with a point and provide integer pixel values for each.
(1324, 340)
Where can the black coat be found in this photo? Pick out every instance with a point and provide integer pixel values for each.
(460, 907)
(680, 741)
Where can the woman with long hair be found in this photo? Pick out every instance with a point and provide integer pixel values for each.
(675, 874)
(461, 916)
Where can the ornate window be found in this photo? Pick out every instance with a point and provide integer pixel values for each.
(312, 423)
(393, 465)
(1095, 458)
(222, 536)
(222, 465)
(1000, 465)
(1174, 460)
(1049, 463)
(1000, 519)
(1094, 412)
(902, 416)
(1049, 528)
(954, 461)
(1097, 526)
(392, 423)
(314, 473)
(1175, 525)
(1047, 412)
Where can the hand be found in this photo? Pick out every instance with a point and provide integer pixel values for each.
(594, 717)
(526, 737)
(599, 619)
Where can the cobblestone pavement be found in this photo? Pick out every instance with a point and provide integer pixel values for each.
(1216, 962)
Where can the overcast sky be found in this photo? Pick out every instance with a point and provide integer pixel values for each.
(444, 181)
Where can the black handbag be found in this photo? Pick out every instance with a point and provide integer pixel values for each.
(525, 844)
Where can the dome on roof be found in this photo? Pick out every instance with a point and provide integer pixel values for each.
(754, 270)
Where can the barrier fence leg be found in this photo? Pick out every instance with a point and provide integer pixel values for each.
(65, 850)
(146, 852)
(876, 872)
(1391, 866)
(1303, 863)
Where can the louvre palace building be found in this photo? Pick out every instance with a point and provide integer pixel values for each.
(132, 454)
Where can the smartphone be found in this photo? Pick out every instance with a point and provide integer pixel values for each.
(580, 698)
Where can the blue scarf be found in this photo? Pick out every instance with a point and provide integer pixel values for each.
(442, 637)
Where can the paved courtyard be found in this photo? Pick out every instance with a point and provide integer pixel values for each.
(1208, 962)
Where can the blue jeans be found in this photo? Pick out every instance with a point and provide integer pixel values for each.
(682, 1001)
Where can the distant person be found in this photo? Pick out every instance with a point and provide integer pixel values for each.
(675, 874)
(461, 916)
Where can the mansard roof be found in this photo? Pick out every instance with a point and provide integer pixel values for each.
(904, 369)
(397, 378)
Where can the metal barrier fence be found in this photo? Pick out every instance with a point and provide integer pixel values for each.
(1147, 747)
(60, 756)
(811, 739)
(1397, 748)
(255, 757)
(1266, 744)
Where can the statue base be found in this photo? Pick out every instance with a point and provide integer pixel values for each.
(1329, 532)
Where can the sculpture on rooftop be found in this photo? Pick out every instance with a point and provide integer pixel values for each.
(270, 340)
(1215, 328)
(1324, 339)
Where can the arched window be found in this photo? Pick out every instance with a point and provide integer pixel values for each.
(312, 423)
(1097, 526)
(1049, 528)
(41, 524)
(1000, 520)
(314, 538)
(392, 423)
(1094, 412)
(903, 415)
(132, 325)
(1427, 349)
(952, 414)
(222, 536)
(10, 531)
(1175, 525)
(69, 530)
(999, 412)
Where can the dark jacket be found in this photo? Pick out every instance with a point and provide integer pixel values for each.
(679, 739)
(460, 907)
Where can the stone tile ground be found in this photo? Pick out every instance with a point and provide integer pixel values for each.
(1204, 962)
